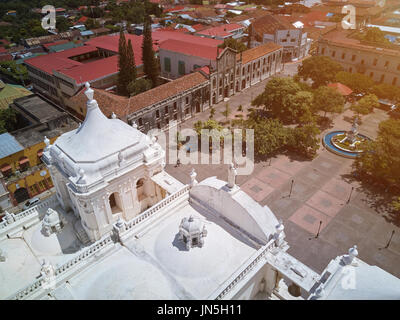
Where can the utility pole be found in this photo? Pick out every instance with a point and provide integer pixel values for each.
(351, 192)
(291, 188)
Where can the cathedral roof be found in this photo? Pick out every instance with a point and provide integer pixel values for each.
(98, 137)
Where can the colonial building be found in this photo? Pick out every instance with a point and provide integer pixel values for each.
(272, 28)
(21, 151)
(381, 64)
(121, 227)
(160, 107)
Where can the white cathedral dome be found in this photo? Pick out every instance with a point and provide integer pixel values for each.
(98, 136)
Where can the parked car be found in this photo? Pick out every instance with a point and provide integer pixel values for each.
(386, 105)
(31, 202)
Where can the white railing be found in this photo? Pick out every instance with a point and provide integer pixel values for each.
(246, 270)
(29, 212)
(37, 284)
(157, 207)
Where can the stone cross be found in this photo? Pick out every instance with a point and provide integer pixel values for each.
(348, 258)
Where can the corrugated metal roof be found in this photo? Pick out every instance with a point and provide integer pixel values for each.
(9, 145)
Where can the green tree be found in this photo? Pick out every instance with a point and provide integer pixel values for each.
(269, 134)
(212, 113)
(150, 63)
(328, 100)
(275, 92)
(297, 107)
(386, 91)
(226, 112)
(365, 105)
(376, 36)
(139, 86)
(358, 82)
(381, 158)
(396, 204)
(233, 44)
(304, 140)
(130, 63)
(8, 120)
(320, 69)
(123, 76)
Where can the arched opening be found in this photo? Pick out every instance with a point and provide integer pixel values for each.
(115, 203)
(213, 98)
(140, 189)
(197, 107)
(21, 195)
(226, 92)
(243, 83)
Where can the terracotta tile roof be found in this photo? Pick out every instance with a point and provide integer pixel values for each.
(123, 106)
(187, 48)
(341, 88)
(222, 31)
(340, 38)
(269, 24)
(254, 53)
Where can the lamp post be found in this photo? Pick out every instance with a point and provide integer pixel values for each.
(351, 192)
(291, 188)
(319, 228)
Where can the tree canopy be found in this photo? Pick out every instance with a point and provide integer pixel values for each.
(357, 82)
(386, 91)
(381, 158)
(366, 104)
(320, 69)
(285, 99)
(126, 65)
(150, 62)
(328, 100)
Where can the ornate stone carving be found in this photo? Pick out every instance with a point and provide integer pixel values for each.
(232, 173)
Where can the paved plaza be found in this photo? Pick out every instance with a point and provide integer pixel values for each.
(319, 195)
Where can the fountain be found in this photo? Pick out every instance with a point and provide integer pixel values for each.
(348, 144)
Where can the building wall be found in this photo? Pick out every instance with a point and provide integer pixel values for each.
(173, 110)
(293, 41)
(175, 57)
(30, 179)
(380, 66)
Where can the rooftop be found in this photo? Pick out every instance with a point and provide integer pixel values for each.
(123, 106)
(269, 24)
(341, 88)
(221, 31)
(206, 52)
(8, 145)
(341, 38)
(256, 52)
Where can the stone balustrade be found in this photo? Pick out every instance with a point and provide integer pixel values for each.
(29, 212)
(84, 255)
(157, 207)
(247, 269)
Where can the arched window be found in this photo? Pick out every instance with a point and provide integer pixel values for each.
(115, 203)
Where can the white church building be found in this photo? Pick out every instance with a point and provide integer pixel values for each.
(120, 227)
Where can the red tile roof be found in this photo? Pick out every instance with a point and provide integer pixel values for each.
(269, 24)
(206, 52)
(48, 45)
(59, 60)
(93, 70)
(123, 106)
(221, 31)
(82, 19)
(341, 88)
(254, 53)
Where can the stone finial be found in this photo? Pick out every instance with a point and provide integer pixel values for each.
(320, 292)
(46, 141)
(134, 125)
(232, 173)
(279, 227)
(113, 116)
(163, 165)
(278, 236)
(81, 172)
(193, 176)
(9, 217)
(348, 258)
(89, 92)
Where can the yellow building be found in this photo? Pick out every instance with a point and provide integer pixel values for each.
(25, 176)
(24, 173)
